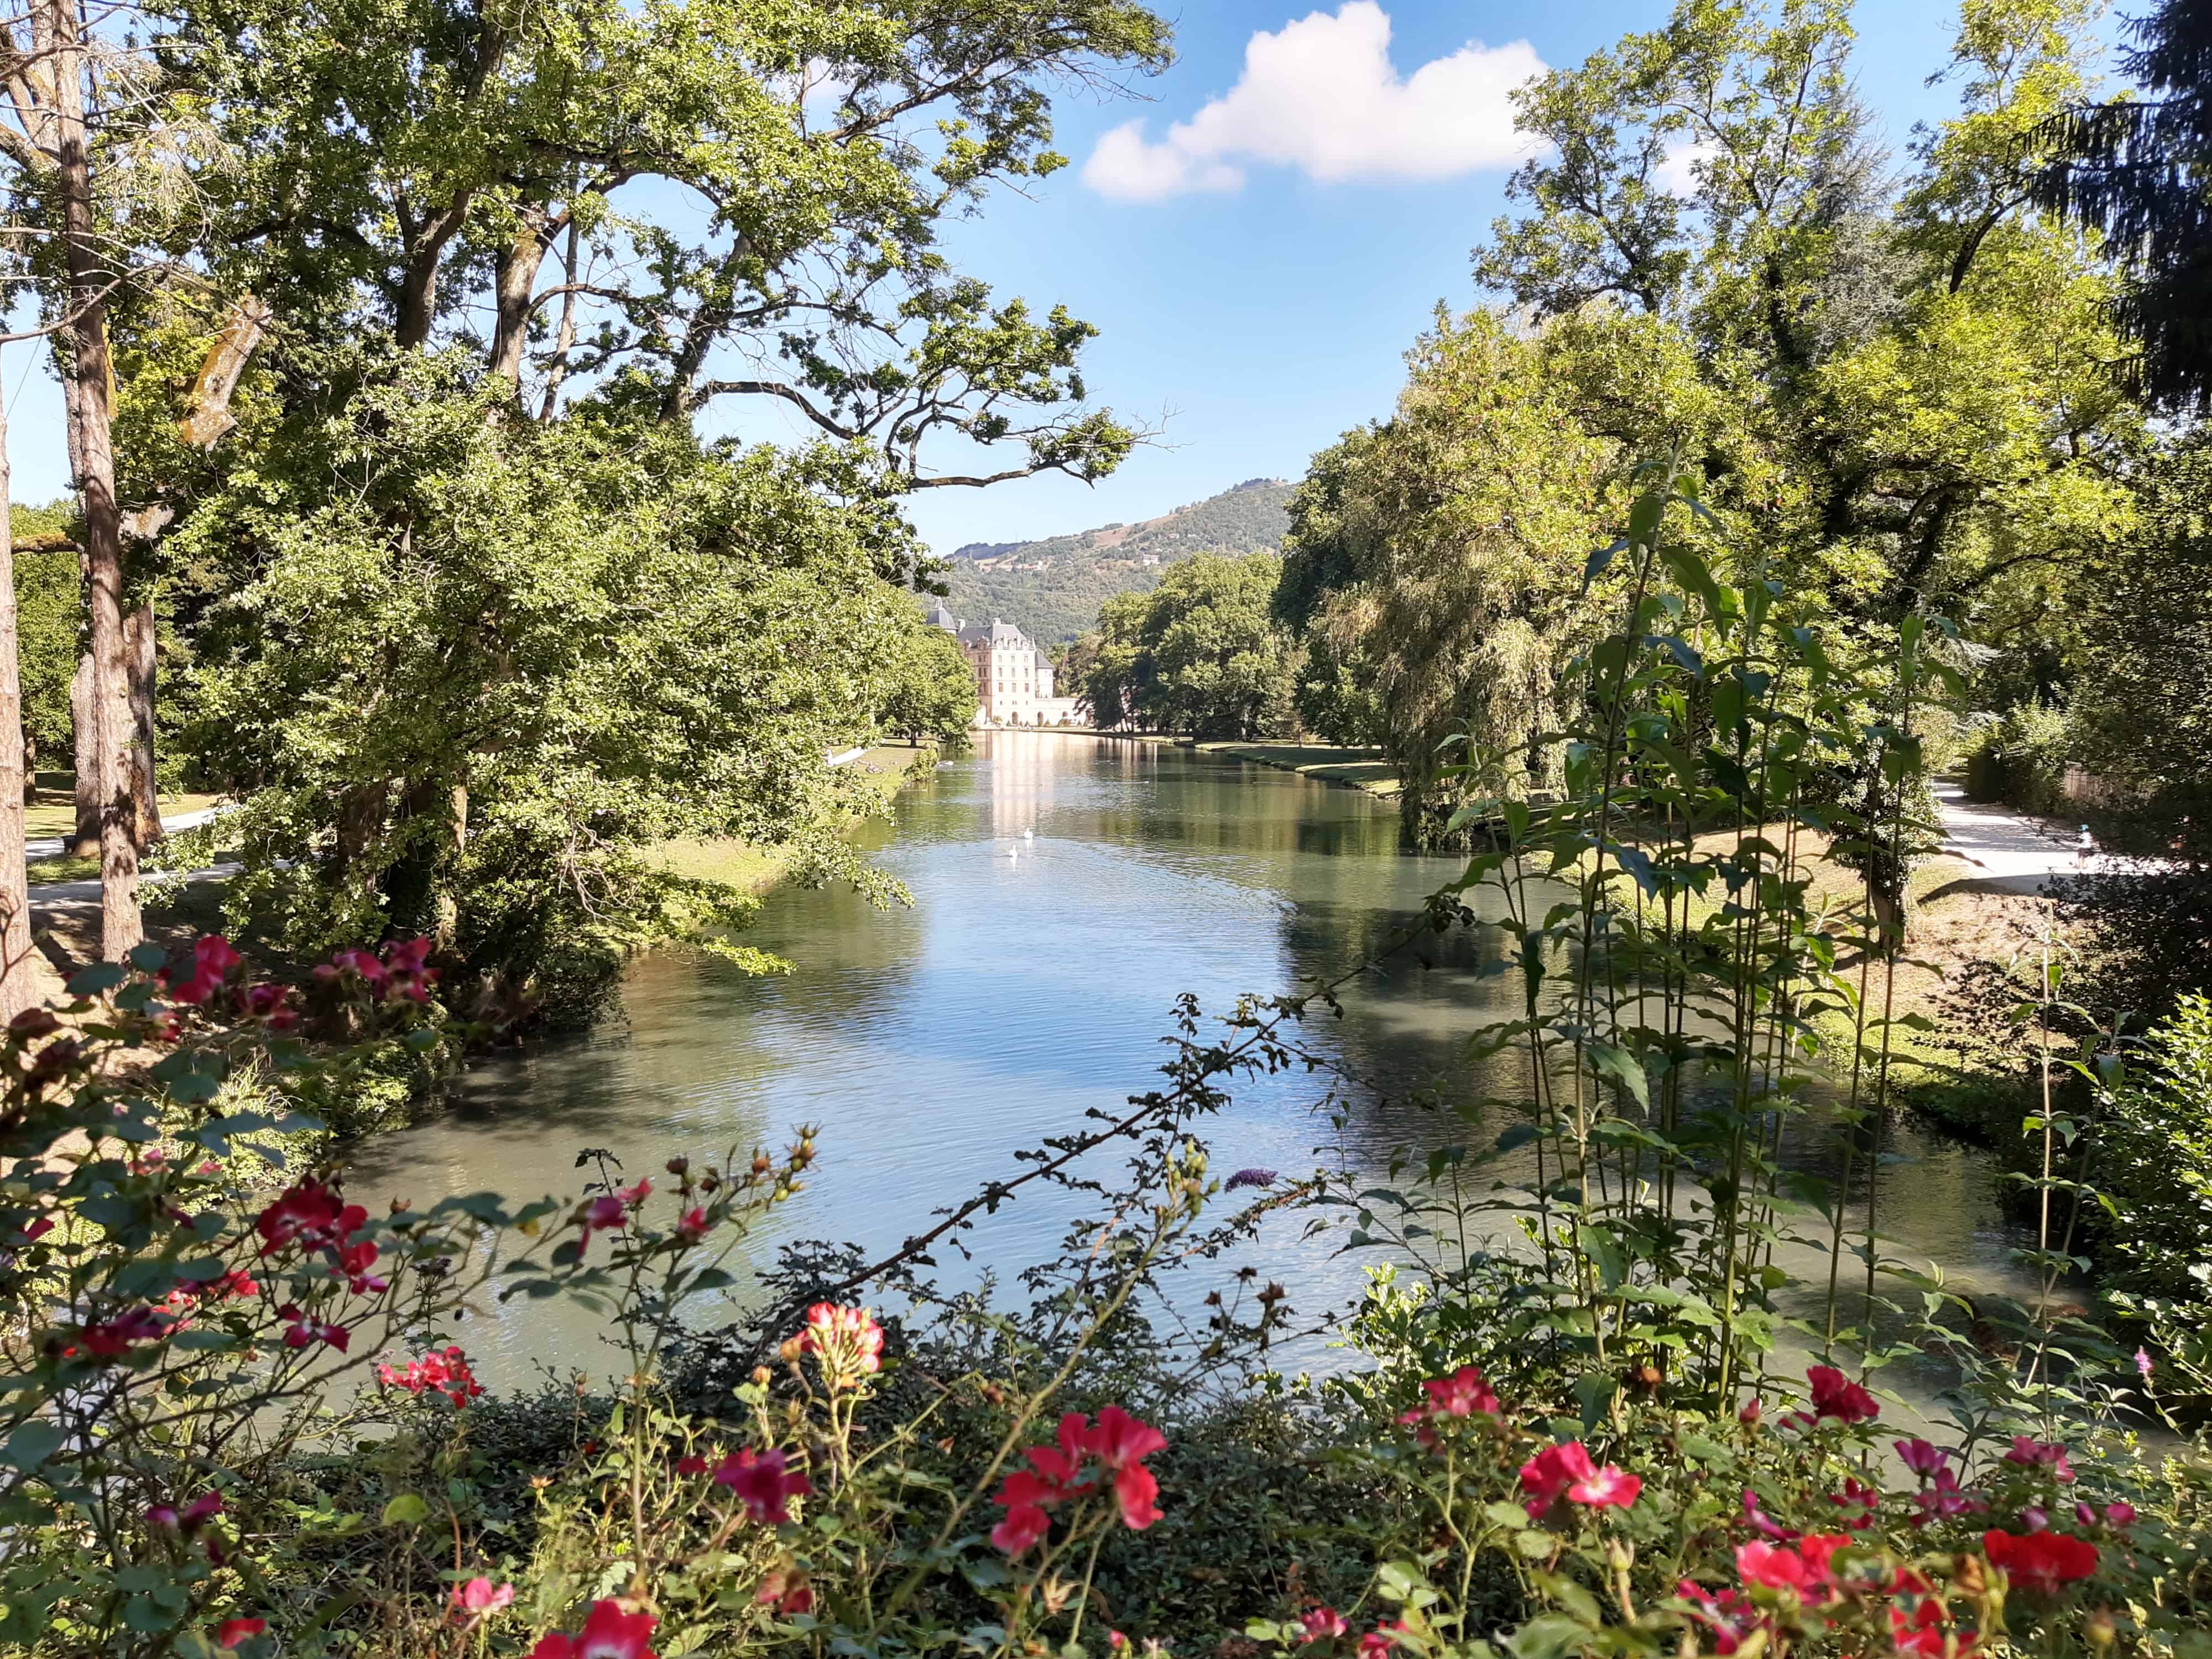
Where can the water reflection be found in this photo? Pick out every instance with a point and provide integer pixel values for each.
(1031, 981)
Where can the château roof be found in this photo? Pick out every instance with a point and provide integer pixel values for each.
(1000, 637)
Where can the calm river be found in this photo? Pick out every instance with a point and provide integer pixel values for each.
(1065, 889)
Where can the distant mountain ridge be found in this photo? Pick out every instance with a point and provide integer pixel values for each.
(1052, 588)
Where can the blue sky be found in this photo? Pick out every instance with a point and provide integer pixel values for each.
(1258, 279)
(1267, 318)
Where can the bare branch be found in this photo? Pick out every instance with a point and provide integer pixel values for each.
(774, 389)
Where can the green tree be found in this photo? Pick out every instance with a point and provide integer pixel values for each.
(1120, 666)
(1916, 405)
(465, 690)
(1892, 397)
(2133, 168)
(933, 687)
(49, 615)
(470, 171)
(475, 612)
(1436, 559)
(1201, 652)
(2141, 718)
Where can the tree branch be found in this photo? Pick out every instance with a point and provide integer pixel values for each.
(774, 389)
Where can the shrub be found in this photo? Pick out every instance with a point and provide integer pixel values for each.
(185, 1472)
(2019, 759)
(2157, 1171)
(168, 1338)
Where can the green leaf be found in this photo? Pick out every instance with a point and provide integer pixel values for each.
(406, 1510)
(1572, 1596)
(1517, 1135)
(1595, 1391)
(1707, 1451)
(1402, 1582)
(1594, 566)
(1681, 652)
(33, 1443)
(1549, 1635)
(1604, 1250)
(1619, 1064)
(1637, 863)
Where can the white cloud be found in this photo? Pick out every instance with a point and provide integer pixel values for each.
(1321, 93)
(1677, 168)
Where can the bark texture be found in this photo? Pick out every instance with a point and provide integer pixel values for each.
(515, 285)
(120, 926)
(84, 727)
(145, 790)
(207, 411)
(16, 991)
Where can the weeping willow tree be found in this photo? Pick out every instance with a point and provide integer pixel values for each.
(1435, 560)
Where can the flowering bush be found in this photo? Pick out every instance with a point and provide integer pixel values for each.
(185, 1309)
(180, 1301)
(1810, 1559)
(236, 1420)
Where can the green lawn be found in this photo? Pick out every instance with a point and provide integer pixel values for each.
(756, 869)
(63, 867)
(54, 813)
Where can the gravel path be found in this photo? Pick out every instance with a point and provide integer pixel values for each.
(2011, 852)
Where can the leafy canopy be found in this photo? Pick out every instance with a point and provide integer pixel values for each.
(465, 694)
(1201, 652)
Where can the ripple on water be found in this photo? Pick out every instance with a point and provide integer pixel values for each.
(1016, 994)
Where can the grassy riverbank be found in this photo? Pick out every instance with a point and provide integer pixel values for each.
(886, 768)
(1366, 769)
(70, 931)
(53, 810)
(1950, 1060)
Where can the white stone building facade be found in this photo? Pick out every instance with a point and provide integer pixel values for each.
(1013, 679)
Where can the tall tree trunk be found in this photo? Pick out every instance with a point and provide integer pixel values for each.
(565, 341)
(16, 947)
(514, 284)
(84, 728)
(417, 311)
(418, 296)
(706, 329)
(84, 723)
(121, 927)
(207, 410)
(145, 789)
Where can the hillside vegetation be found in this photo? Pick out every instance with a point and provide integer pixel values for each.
(1052, 589)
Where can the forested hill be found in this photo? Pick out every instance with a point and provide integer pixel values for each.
(1052, 589)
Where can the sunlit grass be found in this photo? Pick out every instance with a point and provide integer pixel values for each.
(1362, 768)
(54, 813)
(756, 869)
(62, 866)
